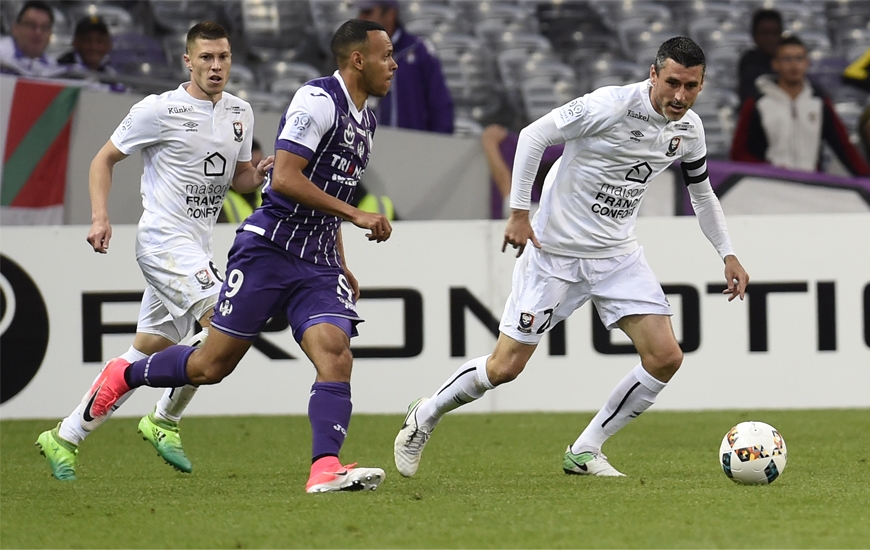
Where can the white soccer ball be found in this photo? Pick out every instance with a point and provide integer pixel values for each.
(753, 453)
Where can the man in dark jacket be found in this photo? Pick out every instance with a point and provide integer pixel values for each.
(419, 98)
(766, 32)
(91, 46)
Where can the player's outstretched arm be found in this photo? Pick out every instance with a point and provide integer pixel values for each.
(519, 232)
(736, 276)
(99, 184)
(288, 179)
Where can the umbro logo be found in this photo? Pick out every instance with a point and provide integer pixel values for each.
(191, 126)
(636, 135)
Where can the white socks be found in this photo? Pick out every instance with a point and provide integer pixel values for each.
(174, 401)
(633, 395)
(468, 384)
(71, 428)
(170, 407)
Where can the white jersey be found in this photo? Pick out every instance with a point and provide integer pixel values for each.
(190, 148)
(615, 144)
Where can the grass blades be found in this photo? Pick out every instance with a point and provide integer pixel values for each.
(485, 481)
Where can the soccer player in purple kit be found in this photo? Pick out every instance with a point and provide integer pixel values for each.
(287, 258)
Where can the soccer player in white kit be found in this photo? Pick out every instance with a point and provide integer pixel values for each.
(584, 247)
(195, 143)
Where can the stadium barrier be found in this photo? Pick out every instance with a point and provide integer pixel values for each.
(431, 296)
(446, 177)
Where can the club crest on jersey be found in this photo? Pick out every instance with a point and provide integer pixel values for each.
(238, 130)
(361, 149)
(673, 146)
(526, 321)
(204, 279)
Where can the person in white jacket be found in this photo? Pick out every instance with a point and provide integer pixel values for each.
(23, 52)
(789, 121)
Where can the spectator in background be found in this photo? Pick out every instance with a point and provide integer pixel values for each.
(767, 33)
(419, 98)
(857, 73)
(786, 124)
(864, 131)
(238, 206)
(23, 53)
(91, 46)
(500, 147)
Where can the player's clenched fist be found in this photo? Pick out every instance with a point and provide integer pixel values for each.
(99, 237)
(378, 225)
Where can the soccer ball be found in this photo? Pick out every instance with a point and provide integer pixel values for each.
(753, 453)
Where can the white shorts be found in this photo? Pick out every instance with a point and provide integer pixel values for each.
(548, 288)
(183, 286)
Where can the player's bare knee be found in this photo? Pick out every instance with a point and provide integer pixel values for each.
(502, 372)
(334, 365)
(663, 363)
(673, 361)
(206, 372)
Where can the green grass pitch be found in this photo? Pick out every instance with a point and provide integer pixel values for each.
(486, 481)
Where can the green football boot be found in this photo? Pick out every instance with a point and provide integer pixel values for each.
(588, 464)
(61, 454)
(166, 438)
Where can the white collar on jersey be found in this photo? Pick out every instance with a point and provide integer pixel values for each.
(204, 102)
(357, 114)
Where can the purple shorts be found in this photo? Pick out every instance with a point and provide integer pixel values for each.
(264, 281)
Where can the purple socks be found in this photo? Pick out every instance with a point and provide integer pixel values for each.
(165, 369)
(329, 409)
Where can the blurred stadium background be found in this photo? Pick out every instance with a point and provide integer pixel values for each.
(505, 61)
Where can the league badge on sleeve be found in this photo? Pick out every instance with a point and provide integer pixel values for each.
(238, 130)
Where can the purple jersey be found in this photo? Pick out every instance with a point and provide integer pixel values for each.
(324, 126)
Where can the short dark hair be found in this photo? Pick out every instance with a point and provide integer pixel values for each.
(351, 35)
(207, 30)
(765, 15)
(791, 40)
(36, 5)
(682, 50)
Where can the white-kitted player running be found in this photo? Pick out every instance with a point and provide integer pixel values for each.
(617, 139)
(195, 143)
